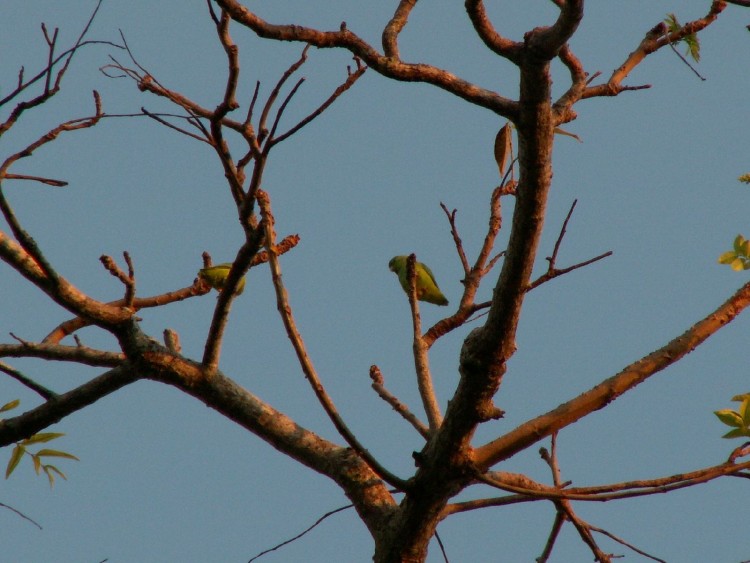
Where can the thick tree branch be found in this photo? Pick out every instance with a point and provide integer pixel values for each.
(57, 408)
(598, 397)
(62, 291)
(395, 26)
(383, 64)
(546, 42)
(498, 44)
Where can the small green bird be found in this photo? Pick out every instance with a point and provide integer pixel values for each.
(427, 287)
(216, 277)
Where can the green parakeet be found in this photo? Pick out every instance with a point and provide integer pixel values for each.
(427, 287)
(216, 277)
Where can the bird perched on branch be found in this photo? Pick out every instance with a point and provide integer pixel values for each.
(427, 287)
(216, 277)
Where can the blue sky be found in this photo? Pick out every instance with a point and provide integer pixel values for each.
(162, 478)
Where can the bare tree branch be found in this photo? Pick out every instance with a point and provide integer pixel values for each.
(308, 369)
(420, 350)
(378, 384)
(17, 428)
(382, 64)
(608, 390)
(395, 26)
(654, 40)
(40, 390)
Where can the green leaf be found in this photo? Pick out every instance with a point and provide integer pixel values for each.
(56, 453)
(42, 437)
(737, 244)
(51, 477)
(37, 463)
(729, 417)
(672, 23)
(744, 412)
(11, 405)
(727, 257)
(50, 470)
(745, 178)
(738, 264)
(740, 398)
(693, 46)
(15, 458)
(736, 433)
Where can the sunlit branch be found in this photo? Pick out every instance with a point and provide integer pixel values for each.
(378, 384)
(487, 32)
(655, 39)
(212, 348)
(626, 544)
(420, 349)
(47, 351)
(481, 268)
(46, 73)
(285, 310)
(394, 27)
(382, 64)
(604, 393)
(552, 271)
(128, 280)
(48, 181)
(352, 77)
(564, 506)
(554, 533)
(197, 289)
(262, 123)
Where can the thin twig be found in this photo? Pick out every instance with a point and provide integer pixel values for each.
(420, 350)
(21, 514)
(442, 547)
(451, 215)
(40, 390)
(554, 533)
(626, 544)
(298, 536)
(48, 181)
(285, 310)
(348, 83)
(378, 385)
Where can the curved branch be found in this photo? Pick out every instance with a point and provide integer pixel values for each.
(387, 66)
(498, 44)
(395, 26)
(546, 42)
(656, 38)
(600, 396)
(305, 363)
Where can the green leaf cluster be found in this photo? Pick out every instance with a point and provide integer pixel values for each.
(20, 449)
(739, 420)
(739, 257)
(691, 41)
(745, 178)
